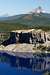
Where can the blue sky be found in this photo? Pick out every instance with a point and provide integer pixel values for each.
(12, 7)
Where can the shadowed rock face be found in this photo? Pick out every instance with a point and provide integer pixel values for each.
(11, 40)
(24, 38)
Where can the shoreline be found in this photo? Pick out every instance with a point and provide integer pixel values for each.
(19, 49)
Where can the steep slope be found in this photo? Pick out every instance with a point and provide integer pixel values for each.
(30, 19)
(24, 21)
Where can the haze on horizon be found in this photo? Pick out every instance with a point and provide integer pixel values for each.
(14, 7)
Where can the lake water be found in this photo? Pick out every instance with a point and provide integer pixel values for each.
(8, 66)
(6, 69)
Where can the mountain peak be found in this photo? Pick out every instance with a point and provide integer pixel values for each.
(38, 10)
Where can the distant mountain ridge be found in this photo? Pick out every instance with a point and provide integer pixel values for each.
(29, 19)
(36, 18)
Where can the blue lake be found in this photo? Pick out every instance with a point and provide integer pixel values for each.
(6, 69)
(8, 66)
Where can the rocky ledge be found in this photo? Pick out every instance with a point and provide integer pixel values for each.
(24, 50)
